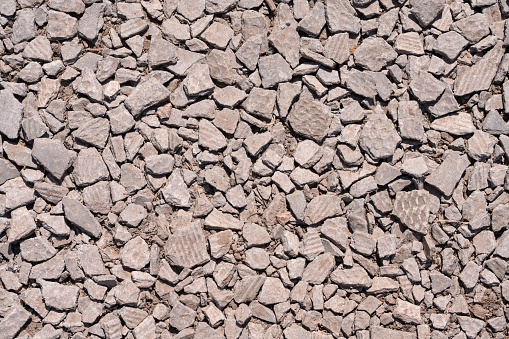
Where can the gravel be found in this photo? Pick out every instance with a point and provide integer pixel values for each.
(254, 169)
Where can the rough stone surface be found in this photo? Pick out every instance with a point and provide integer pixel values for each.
(254, 169)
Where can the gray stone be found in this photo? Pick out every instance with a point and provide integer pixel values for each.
(175, 192)
(310, 119)
(426, 88)
(23, 28)
(182, 316)
(473, 27)
(210, 136)
(135, 254)
(94, 132)
(198, 81)
(59, 297)
(450, 45)
(13, 321)
(161, 52)
(37, 249)
(407, 313)
(355, 277)
(187, 247)
(89, 86)
(273, 70)
(61, 26)
(260, 103)
(374, 54)
(379, 137)
(412, 209)
(91, 22)
(456, 124)
(426, 11)
(11, 116)
(479, 76)
(313, 23)
(148, 93)
(448, 174)
(80, 216)
(89, 168)
(218, 35)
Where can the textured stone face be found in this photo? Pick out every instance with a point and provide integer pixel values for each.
(254, 169)
(412, 209)
(310, 119)
(379, 138)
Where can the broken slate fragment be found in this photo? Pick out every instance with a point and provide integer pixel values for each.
(379, 137)
(412, 209)
(80, 216)
(187, 247)
(148, 93)
(52, 155)
(448, 174)
(310, 118)
(12, 111)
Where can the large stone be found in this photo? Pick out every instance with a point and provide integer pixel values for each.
(59, 297)
(310, 119)
(374, 54)
(80, 216)
(448, 174)
(147, 94)
(187, 247)
(135, 254)
(379, 137)
(12, 112)
(479, 76)
(412, 209)
(273, 70)
(355, 277)
(52, 155)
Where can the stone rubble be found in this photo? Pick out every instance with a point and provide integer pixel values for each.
(254, 169)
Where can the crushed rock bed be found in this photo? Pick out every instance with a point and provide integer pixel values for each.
(254, 169)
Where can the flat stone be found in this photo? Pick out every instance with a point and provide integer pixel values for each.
(11, 116)
(456, 124)
(135, 254)
(479, 76)
(52, 155)
(448, 174)
(273, 70)
(273, 292)
(379, 137)
(89, 168)
(175, 192)
(426, 87)
(218, 35)
(310, 119)
(260, 102)
(61, 26)
(59, 297)
(37, 249)
(426, 12)
(22, 225)
(321, 208)
(148, 93)
(412, 209)
(210, 137)
(80, 216)
(313, 23)
(39, 49)
(187, 247)
(407, 313)
(13, 321)
(374, 54)
(355, 277)
(91, 22)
